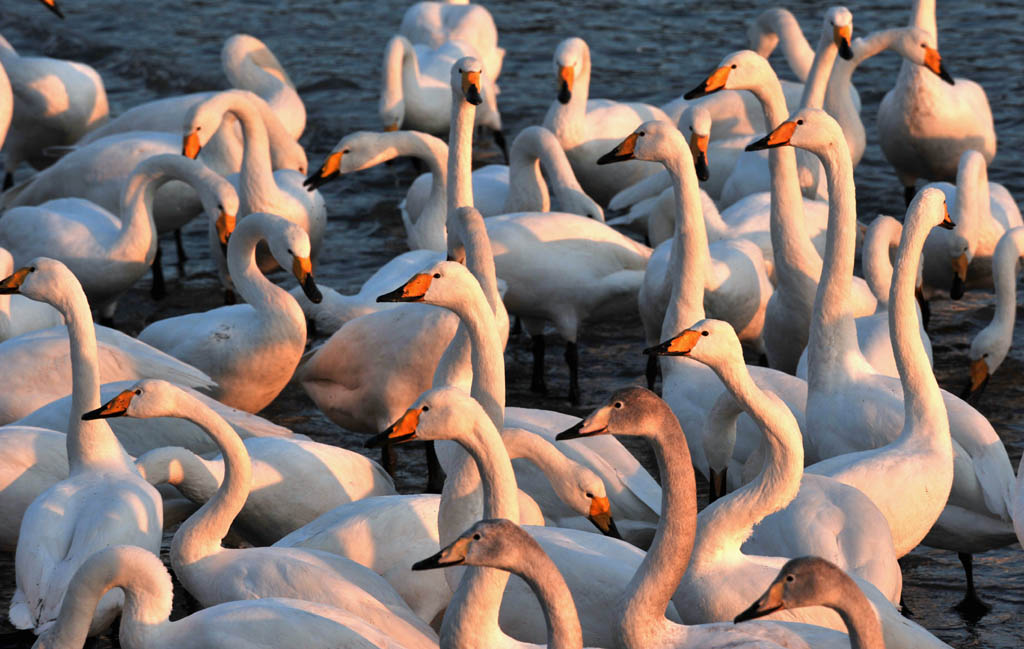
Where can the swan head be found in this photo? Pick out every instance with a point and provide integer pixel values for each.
(572, 56)
(439, 413)
(444, 284)
(987, 353)
(465, 79)
(290, 247)
(629, 411)
(354, 152)
(918, 46)
(809, 128)
(52, 6)
(43, 280)
(204, 119)
(495, 543)
(656, 141)
(696, 121)
(712, 342)
(145, 399)
(742, 70)
(801, 582)
(839, 22)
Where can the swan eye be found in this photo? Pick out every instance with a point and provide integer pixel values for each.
(733, 66)
(424, 408)
(691, 128)
(985, 355)
(476, 537)
(31, 269)
(138, 392)
(199, 128)
(346, 151)
(437, 275)
(590, 495)
(790, 578)
(641, 134)
(618, 404)
(705, 333)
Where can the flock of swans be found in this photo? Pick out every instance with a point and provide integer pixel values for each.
(829, 459)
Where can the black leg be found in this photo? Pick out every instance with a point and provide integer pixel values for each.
(499, 139)
(8, 180)
(908, 194)
(652, 371)
(229, 297)
(537, 383)
(971, 607)
(179, 247)
(517, 326)
(388, 459)
(572, 357)
(159, 289)
(435, 474)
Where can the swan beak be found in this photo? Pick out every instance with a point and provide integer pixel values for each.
(714, 82)
(601, 517)
(596, 423)
(842, 36)
(565, 79)
(717, 483)
(956, 291)
(979, 377)
(302, 268)
(225, 225)
(471, 87)
(933, 61)
(403, 430)
(770, 602)
(452, 555)
(947, 223)
(52, 6)
(13, 283)
(781, 136)
(412, 291)
(680, 345)
(328, 170)
(391, 128)
(622, 152)
(699, 149)
(116, 407)
(190, 145)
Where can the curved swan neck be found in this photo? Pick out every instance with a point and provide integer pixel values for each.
(1004, 272)
(846, 598)
(147, 588)
(720, 431)
(923, 17)
(882, 236)
(196, 478)
(201, 534)
(399, 60)
(259, 292)
(257, 176)
(535, 148)
(529, 446)
(973, 202)
(542, 576)
(649, 591)
(460, 156)
(249, 64)
(434, 153)
(821, 68)
(784, 31)
(832, 344)
(689, 257)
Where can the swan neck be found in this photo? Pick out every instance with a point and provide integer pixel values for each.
(861, 620)
(542, 576)
(882, 236)
(460, 156)
(689, 257)
(821, 68)
(790, 39)
(256, 176)
(257, 291)
(527, 189)
(399, 60)
(1004, 271)
(529, 446)
(196, 478)
(923, 16)
(973, 206)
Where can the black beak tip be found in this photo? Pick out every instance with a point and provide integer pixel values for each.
(946, 76)
(309, 287)
(701, 166)
(956, 291)
(473, 96)
(845, 50)
(564, 94)
(98, 413)
(697, 92)
(376, 441)
(570, 433)
(431, 562)
(612, 530)
(758, 145)
(55, 9)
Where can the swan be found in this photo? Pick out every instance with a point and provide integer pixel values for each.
(720, 577)
(434, 23)
(285, 473)
(797, 264)
(977, 516)
(990, 345)
(518, 186)
(41, 357)
(642, 623)
(588, 128)
(107, 254)
(736, 286)
(19, 314)
(145, 623)
(214, 574)
(924, 125)
(31, 461)
(56, 102)
(813, 581)
(251, 350)
(414, 91)
(260, 188)
(984, 211)
(102, 502)
(857, 534)
(873, 330)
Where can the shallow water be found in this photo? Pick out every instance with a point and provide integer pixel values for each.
(647, 51)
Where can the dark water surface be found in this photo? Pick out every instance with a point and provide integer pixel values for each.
(647, 51)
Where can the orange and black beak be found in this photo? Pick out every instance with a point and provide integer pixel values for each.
(956, 289)
(624, 151)
(566, 76)
(412, 291)
(331, 168)
(947, 223)
(12, 284)
(716, 81)
(403, 430)
(779, 137)
(302, 268)
(471, 87)
(699, 149)
(116, 407)
(770, 602)
(979, 379)
(842, 36)
(933, 61)
(225, 225)
(52, 6)
(680, 345)
(453, 555)
(190, 145)
(601, 517)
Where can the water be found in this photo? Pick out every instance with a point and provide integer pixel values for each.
(645, 51)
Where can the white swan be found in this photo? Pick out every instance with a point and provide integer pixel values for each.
(434, 23)
(19, 314)
(589, 128)
(415, 94)
(925, 124)
(31, 461)
(145, 623)
(990, 345)
(214, 574)
(106, 253)
(56, 102)
(983, 211)
(103, 501)
(736, 286)
(251, 350)
(977, 516)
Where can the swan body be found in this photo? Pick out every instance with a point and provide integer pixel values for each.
(102, 502)
(250, 349)
(925, 125)
(18, 314)
(31, 461)
(588, 128)
(56, 102)
(107, 254)
(434, 23)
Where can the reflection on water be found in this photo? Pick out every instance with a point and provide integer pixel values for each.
(648, 51)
